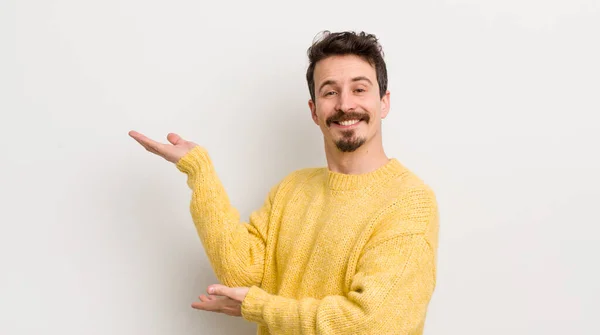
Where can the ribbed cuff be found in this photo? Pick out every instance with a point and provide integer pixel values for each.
(254, 303)
(193, 161)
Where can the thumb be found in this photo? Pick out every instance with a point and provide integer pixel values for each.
(175, 139)
(223, 290)
(219, 289)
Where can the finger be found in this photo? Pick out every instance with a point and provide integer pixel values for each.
(144, 140)
(225, 306)
(217, 305)
(219, 289)
(149, 144)
(235, 293)
(138, 136)
(204, 306)
(205, 297)
(175, 139)
(209, 305)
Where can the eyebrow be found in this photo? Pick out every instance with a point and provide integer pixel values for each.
(332, 82)
(362, 78)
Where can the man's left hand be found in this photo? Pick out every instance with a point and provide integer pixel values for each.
(222, 299)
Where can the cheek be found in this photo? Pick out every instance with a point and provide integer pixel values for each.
(369, 104)
(374, 109)
(322, 115)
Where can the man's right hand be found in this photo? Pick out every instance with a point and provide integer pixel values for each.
(171, 152)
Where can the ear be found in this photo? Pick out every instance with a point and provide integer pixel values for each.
(313, 111)
(385, 104)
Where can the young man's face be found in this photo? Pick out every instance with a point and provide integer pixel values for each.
(347, 105)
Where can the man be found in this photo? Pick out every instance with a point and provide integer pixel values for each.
(345, 249)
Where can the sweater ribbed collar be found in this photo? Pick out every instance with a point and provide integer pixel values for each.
(342, 181)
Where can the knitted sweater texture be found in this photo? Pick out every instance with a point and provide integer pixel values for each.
(327, 253)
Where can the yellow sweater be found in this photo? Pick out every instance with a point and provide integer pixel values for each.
(328, 253)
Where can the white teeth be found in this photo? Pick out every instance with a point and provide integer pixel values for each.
(349, 122)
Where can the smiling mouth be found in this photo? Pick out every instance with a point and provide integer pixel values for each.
(347, 122)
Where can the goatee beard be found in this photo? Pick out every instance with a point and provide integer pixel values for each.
(349, 142)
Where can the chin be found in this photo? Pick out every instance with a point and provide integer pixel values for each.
(349, 145)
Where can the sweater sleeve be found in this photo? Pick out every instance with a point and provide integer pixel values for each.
(389, 294)
(235, 249)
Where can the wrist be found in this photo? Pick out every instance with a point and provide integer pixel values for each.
(254, 303)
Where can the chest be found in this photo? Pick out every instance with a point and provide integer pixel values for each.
(319, 237)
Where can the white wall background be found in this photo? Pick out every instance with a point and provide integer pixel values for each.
(494, 103)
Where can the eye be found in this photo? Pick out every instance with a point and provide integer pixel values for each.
(330, 93)
(360, 90)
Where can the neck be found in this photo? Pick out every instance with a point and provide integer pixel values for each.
(369, 157)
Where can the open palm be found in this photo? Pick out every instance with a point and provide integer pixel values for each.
(171, 152)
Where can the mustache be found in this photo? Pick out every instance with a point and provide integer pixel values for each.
(340, 116)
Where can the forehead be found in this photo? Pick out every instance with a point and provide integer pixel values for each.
(343, 68)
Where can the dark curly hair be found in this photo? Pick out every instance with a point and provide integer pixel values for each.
(347, 43)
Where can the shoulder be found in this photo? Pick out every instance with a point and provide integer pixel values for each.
(301, 176)
(295, 180)
(409, 194)
(411, 208)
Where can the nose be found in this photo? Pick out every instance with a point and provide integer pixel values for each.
(345, 101)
